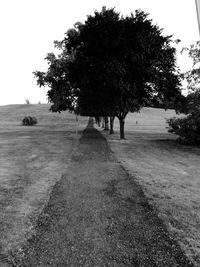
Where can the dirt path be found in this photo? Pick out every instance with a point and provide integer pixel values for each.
(97, 216)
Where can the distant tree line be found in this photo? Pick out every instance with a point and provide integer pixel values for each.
(111, 65)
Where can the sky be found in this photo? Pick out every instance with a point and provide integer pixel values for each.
(29, 27)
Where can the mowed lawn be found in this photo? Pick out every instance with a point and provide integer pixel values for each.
(32, 160)
(168, 172)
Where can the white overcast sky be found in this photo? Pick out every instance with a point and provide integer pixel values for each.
(29, 27)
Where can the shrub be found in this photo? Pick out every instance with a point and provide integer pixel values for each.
(29, 121)
(188, 128)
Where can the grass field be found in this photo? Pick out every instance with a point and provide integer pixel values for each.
(168, 172)
(32, 159)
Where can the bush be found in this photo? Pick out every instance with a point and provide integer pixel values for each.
(188, 128)
(29, 121)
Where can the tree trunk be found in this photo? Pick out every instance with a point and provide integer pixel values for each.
(102, 123)
(121, 124)
(106, 123)
(112, 124)
(97, 121)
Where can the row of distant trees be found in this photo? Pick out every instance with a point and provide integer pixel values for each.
(111, 65)
(27, 101)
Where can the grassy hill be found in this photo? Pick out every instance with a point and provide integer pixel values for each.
(148, 119)
(12, 115)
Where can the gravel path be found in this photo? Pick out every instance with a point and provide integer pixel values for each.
(98, 216)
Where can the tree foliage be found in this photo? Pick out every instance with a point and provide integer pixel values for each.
(193, 76)
(60, 94)
(111, 65)
(188, 128)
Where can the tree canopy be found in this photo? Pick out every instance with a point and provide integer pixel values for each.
(111, 65)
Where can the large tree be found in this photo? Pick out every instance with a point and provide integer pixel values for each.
(122, 63)
(118, 64)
